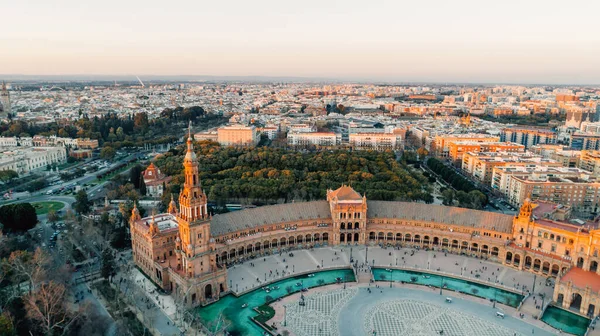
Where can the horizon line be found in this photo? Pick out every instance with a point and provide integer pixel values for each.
(269, 78)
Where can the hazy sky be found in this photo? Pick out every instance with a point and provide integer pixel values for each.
(526, 41)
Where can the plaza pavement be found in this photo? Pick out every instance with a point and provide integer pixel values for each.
(335, 314)
(252, 273)
(256, 272)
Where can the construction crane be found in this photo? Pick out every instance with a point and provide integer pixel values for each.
(138, 78)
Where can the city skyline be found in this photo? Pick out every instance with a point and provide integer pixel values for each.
(459, 42)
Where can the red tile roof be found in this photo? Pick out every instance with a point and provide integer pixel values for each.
(582, 279)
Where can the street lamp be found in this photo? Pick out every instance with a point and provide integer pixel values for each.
(284, 315)
(396, 261)
(391, 278)
(494, 302)
(441, 285)
(350, 253)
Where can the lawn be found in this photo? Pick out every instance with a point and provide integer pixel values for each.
(42, 208)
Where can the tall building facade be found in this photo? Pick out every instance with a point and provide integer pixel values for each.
(528, 136)
(5, 100)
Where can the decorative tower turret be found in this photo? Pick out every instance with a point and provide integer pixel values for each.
(522, 223)
(172, 206)
(193, 219)
(192, 200)
(135, 214)
(153, 227)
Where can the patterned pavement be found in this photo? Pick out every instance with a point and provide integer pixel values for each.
(398, 311)
(409, 317)
(320, 314)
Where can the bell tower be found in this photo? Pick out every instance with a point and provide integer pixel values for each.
(193, 219)
(522, 222)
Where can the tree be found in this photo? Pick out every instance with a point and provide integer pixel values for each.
(140, 121)
(142, 187)
(52, 216)
(422, 152)
(18, 216)
(478, 199)
(82, 204)
(6, 325)
(463, 199)
(119, 238)
(7, 175)
(46, 306)
(107, 153)
(108, 265)
(448, 197)
(135, 175)
(29, 267)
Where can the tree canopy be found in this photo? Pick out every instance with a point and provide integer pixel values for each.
(82, 204)
(18, 217)
(273, 174)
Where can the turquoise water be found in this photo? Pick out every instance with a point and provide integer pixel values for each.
(238, 318)
(464, 286)
(566, 321)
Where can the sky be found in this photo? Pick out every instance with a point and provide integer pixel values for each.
(525, 41)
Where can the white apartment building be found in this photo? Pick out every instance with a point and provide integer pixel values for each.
(502, 175)
(9, 142)
(26, 160)
(314, 138)
(480, 165)
(376, 141)
(270, 132)
(301, 128)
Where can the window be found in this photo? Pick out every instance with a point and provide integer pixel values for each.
(539, 244)
(553, 248)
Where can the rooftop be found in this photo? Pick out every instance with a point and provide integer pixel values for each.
(345, 193)
(582, 279)
(441, 214)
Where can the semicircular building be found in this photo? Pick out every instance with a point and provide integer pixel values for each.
(186, 251)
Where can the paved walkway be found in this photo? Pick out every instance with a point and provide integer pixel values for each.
(403, 309)
(256, 272)
(143, 293)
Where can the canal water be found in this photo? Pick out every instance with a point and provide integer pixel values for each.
(566, 321)
(237, 318)
(464, 286)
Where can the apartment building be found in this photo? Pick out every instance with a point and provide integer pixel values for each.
(528, 136)
(301, 128)
(582, 193)
(590, 161)
(270, 131)
(585, 141)
(376, 141)
(568, 157)
(501, 175)
(480, 165)
(457, 149)
(314, 138)
(442, 142)
(237, 135)
(9, 142)
(206, 136)
(29, 159)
